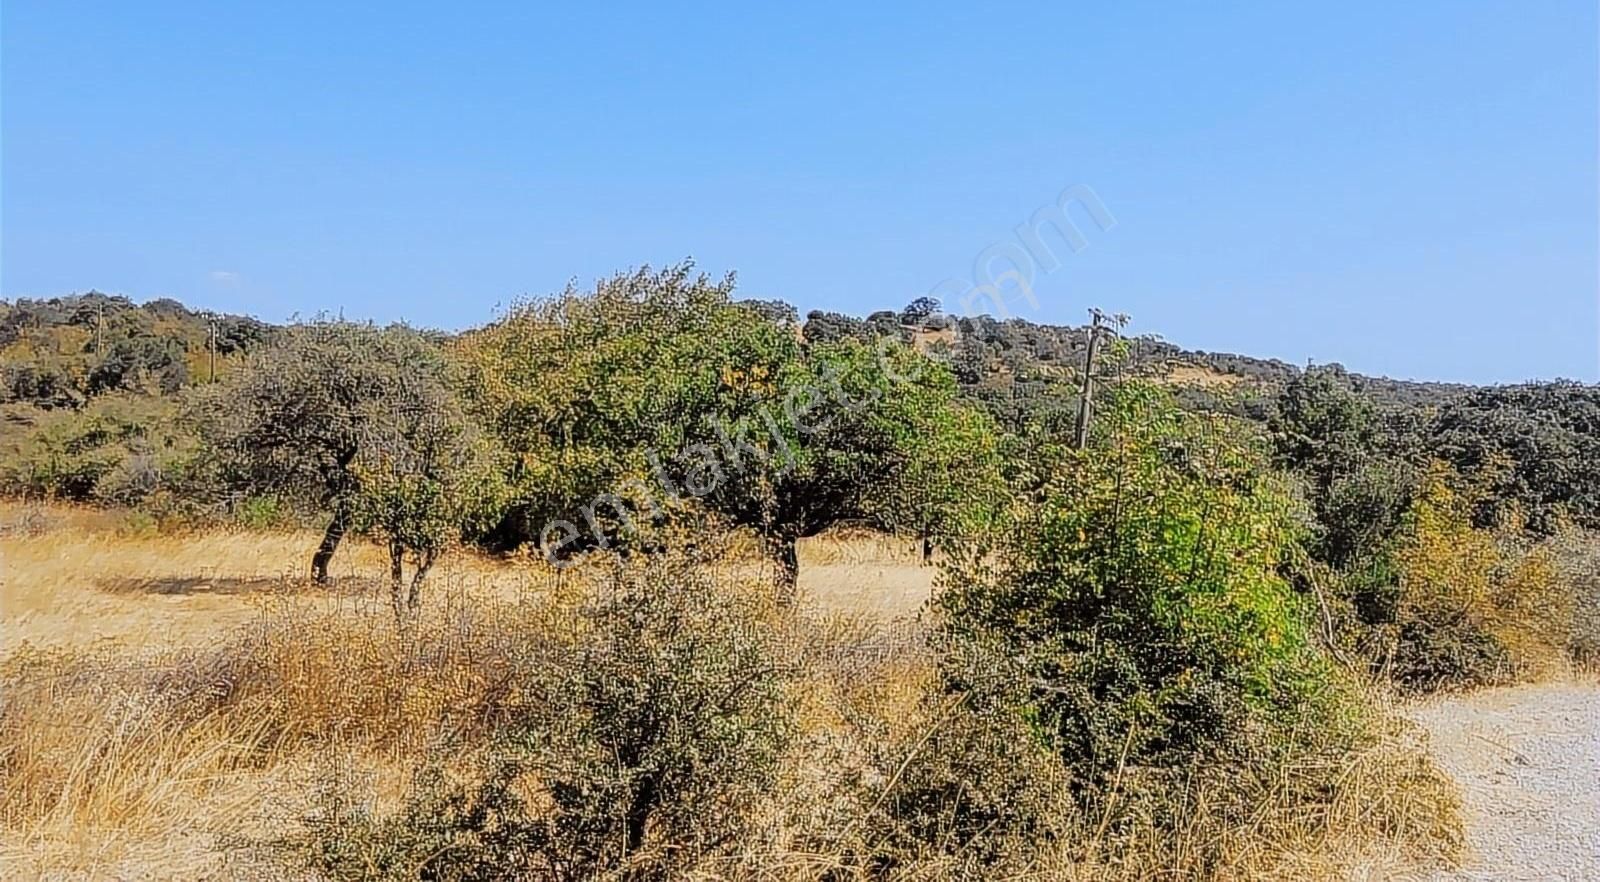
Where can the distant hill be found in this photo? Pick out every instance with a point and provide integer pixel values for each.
(1011, 364)
(62, 351)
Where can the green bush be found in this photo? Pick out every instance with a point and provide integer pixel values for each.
(1142, 592)
(119, 450)
(264, 512)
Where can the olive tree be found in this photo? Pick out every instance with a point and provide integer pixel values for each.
(361, 424)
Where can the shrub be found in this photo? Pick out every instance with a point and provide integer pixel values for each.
(967, 785)
(118, 450)
(648, 726)
(1473, 606)
(1143, 589)
(1577, 561)
(1152, 644)
(262, 513)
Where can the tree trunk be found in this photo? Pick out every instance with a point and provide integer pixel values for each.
(330, 544)
(425, 561)
(637, 818)
(787, 557)
(397, 581)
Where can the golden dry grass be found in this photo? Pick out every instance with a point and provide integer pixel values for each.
(79, 578)
(137, 742)
(1201, 377)
(169, 697)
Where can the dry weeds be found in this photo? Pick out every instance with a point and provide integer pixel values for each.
(169, 699)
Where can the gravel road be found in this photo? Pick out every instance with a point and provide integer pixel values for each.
(1528, 762)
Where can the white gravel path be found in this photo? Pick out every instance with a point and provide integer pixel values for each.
(1528, 762)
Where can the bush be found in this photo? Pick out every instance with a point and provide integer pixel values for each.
(1153, 645)
(1473, 606)
(1577, 561)
(119, 450)
(1143, 588)
(968, 785)
(648, 726)
(262, 513)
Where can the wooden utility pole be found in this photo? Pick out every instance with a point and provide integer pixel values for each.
(213, 343)
(99, 329)
(1086, 392)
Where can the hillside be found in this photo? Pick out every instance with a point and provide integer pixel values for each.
(61, 351)
(1537, 444)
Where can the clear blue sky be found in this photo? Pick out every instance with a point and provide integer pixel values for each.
(1408, 188)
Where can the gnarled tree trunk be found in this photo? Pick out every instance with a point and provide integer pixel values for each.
(425, 561)
(330, 544)
(407, 600)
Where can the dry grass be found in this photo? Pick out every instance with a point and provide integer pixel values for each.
(80, 578)
(1201, 377)
(168, 698)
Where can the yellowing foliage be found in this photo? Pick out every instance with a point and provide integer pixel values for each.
(1476, 605)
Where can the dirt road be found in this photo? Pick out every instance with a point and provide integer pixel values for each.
(1528, 761)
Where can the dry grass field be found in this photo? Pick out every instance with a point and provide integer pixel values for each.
(111, 769)
(173, 701)
(81, 578)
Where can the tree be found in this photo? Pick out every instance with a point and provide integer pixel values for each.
(361, 423)
(657, 395)
(919, 310)
(1536, 444)
(823, 327)
(1359, 472)
(855, 432)
(888, 444)
(428, 476)
(591, 393)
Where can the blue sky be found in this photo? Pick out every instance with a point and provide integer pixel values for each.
(1409, 189)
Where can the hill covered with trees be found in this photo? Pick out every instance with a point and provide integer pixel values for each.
(86, 379)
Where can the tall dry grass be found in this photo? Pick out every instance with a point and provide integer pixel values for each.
(172, 703)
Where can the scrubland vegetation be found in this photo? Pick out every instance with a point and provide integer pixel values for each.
(648, 582)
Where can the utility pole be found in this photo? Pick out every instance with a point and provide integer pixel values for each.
(99, 329)
(1086, 392)
(213, 343)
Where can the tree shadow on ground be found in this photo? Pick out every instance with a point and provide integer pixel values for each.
(233, 585)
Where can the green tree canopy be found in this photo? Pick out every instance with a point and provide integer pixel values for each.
(657, 393)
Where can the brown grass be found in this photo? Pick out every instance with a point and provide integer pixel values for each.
(167, 698)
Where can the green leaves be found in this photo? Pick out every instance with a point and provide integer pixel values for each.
(659, 389)
(1143, 588)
